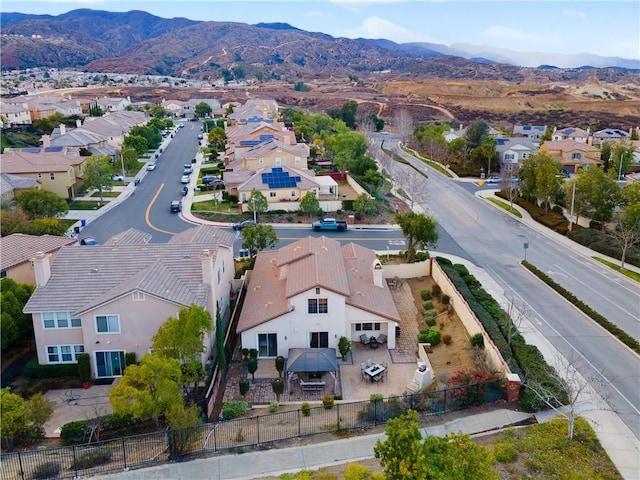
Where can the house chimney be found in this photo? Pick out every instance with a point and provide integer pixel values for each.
(63, 129)
(46, 141)
(206, 260)
(377, 273)
(42, 268)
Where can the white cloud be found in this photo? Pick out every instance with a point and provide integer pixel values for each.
(376, 27)
(574, 14)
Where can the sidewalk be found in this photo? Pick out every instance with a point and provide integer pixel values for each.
(275, 462)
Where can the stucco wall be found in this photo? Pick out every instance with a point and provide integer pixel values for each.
(467, 317)
(406, 270)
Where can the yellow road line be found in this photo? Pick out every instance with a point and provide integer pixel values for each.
(146, 213)
(469, 220)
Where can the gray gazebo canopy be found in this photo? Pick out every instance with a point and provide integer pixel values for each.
(312, 360)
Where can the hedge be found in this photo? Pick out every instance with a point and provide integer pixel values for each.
(34, 370)
(112, 426)
(523, 359)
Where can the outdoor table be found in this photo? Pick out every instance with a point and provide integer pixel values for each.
(373, 371)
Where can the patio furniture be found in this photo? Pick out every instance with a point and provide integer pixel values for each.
(374, 372)
(311, 386)
(364, 338)
(382, 338)
(373, 343)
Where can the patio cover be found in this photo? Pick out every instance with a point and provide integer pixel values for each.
(312, 360)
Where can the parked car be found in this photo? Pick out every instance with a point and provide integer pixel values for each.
(151, 167)
(88, 241)
(210, 180)
(245, 223)
(184, 179)
(117, 178)
(493, 180)
(187, 169)
(176, 206)
(200, 136)
(185, 190)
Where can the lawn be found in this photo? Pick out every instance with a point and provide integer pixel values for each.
(215, 206)
(628, 273)
(85, 205)
(506, 207)
(105, 194)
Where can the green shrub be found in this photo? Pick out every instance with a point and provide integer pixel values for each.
(429, 335)
(274, 406)
(84, 367)
(129, 359)
(427, 304)
(46, 470)
(34, 370)
(253, 353)
(376, 398)
(431, 313)
(445, 299)
(425, 294)
(231, 410)
(504, 452)
(328, 401)
(305, 408)
(347, 205)
(72, 433)
(430, 320)
(93, 457)
(436, 291)
(477, 340)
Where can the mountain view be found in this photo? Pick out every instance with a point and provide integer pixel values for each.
(137, 42)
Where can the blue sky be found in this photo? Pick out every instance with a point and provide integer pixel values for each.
(607, 28)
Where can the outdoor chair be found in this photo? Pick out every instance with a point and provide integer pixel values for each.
(382, 338)
(364, 338)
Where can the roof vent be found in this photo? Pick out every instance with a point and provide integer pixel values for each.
(205, 252)
(39, 254)
(93, 270)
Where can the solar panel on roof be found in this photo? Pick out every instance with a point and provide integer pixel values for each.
(278, 178)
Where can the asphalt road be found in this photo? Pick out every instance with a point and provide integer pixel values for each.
(494, 241)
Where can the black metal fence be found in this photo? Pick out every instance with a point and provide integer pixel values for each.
(180, 445)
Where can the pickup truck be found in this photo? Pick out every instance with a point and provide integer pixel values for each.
(329, 224)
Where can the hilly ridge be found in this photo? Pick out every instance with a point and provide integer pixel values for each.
(137, 42)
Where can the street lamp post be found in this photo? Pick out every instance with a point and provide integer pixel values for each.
(122, 152)
(253, 203)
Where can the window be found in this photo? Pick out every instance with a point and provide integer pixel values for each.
(52, 176)
(297, 160)
(360, 327)
(138, 296)
(293, 193)
(107, 324)
(39, 174)
(318, 305)
(272, 194)
(576, 156)
(524, 154)
(278, 161)
(261, 161)
(60, 320)
(509, 156)
(219, 276)
(319, 340)
(268, 344)
(64, 353)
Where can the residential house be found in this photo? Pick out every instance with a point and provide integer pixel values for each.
(283, 187)
(189, 108)
(610, 135)
(10, 185)
(512, 151)
(17, 250)
(242, 138)
(108, 300)
(310, 293)
(451, 135)
(572, 154)
(86, 141)
(113, 104)
(14, 114)
(56, 172)
(113, 126)
(43, 107)
(534, 132)
(571, 133)
(271, 152)
(174, 107)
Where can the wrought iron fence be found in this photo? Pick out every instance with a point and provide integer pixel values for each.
(180, 445)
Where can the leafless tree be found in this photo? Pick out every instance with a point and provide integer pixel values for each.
(515, 319)
(626, 232)
(404, 125)
(582, 393)
(412, 183)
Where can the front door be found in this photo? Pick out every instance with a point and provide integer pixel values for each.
(319, 340)
(109, 364)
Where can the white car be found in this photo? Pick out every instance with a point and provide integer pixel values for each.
(184, 179)
(117, 178)
(151, 167)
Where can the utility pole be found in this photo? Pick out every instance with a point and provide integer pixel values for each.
(573, 199)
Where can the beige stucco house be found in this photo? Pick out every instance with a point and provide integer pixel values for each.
(18, 249)
(108, 300)
(572, 154)
(310, 293)
(60, 173)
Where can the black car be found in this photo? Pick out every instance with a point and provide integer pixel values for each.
(245, 223)
(185, 190)
(176, 206)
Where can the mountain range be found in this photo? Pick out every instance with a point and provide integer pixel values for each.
(137, 42)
